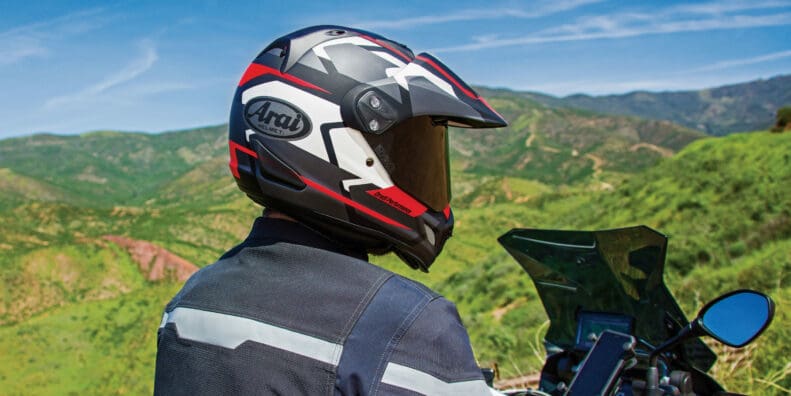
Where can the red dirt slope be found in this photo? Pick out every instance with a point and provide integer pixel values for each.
(155, 262)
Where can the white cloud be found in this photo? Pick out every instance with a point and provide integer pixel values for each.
(135, 68)
(12, 51)
(626, 25)
(536, 11)
(597, 87)
(721, 7)
(744, 61)
(32, 40)
(621, 86)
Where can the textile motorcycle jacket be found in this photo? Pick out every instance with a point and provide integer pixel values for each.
(289, 313)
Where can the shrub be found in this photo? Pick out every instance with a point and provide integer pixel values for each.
(783, 120)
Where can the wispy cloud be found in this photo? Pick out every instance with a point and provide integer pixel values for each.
(721, 7)
(12, 51)
(678, 19)
(622, 86)
(138, 66)
(744, 61)
(599, 87)
(33, 39)
(537, 10)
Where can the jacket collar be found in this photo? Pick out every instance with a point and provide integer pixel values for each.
(267, 231)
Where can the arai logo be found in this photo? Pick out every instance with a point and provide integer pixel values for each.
(276, 118)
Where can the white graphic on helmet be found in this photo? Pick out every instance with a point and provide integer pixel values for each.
(320, 111)
(348, 183)
(353, 153)
(319, 49)
(389, 58)
(415, 70)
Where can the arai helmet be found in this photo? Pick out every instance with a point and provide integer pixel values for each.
(346, 131)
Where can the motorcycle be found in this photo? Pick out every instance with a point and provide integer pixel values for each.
(615, 329)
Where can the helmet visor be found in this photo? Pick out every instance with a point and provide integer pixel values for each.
(415, 154)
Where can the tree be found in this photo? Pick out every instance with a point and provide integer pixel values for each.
(783, 121)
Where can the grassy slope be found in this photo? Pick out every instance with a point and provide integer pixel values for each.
(97, 347)
(738, 228)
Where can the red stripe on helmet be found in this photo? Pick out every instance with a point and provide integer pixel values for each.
(234, 163)
(485, 103)
(355, 205)
(390, 47)
(446, 212)
(256, 70)
(400, 200)
(448, 77)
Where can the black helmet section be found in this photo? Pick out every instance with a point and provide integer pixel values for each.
(425, 87)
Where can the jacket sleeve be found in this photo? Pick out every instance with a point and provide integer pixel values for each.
(434, 357)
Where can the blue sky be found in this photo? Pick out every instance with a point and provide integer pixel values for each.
(71, 67)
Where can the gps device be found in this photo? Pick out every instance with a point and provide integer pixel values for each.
(591, 324)
(598, 373)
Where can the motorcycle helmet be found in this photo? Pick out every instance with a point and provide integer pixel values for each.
(346, 132)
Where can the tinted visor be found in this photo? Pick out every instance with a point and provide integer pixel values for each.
(415, 154)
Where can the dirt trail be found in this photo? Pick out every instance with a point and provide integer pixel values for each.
(529, 141)
(665, 152)
(498, 313)
(525, 381)
(598, 163)
(509, 195)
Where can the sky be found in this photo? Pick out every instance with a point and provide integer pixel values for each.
(75, 66)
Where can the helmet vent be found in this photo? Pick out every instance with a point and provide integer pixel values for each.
(430, 235)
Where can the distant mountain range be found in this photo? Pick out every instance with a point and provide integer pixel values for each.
(717, 111)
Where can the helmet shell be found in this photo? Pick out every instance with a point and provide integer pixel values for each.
(303, 120)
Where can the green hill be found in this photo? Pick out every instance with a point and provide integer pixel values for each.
(563, 146)
(104, 169)
(89, 317)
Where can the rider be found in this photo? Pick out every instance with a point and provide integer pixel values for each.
(342, 135)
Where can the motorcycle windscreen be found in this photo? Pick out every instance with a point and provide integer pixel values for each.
(612, 271)
(415, 154)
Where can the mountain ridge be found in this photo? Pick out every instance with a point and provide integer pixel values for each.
(718, 111)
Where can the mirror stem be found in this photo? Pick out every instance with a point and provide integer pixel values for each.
(693, 329)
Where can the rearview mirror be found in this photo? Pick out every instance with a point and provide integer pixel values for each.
(737, 318)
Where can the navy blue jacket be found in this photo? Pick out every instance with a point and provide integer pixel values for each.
(289, 313)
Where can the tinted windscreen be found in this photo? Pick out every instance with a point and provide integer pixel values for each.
(616, 272)
(415, 154)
